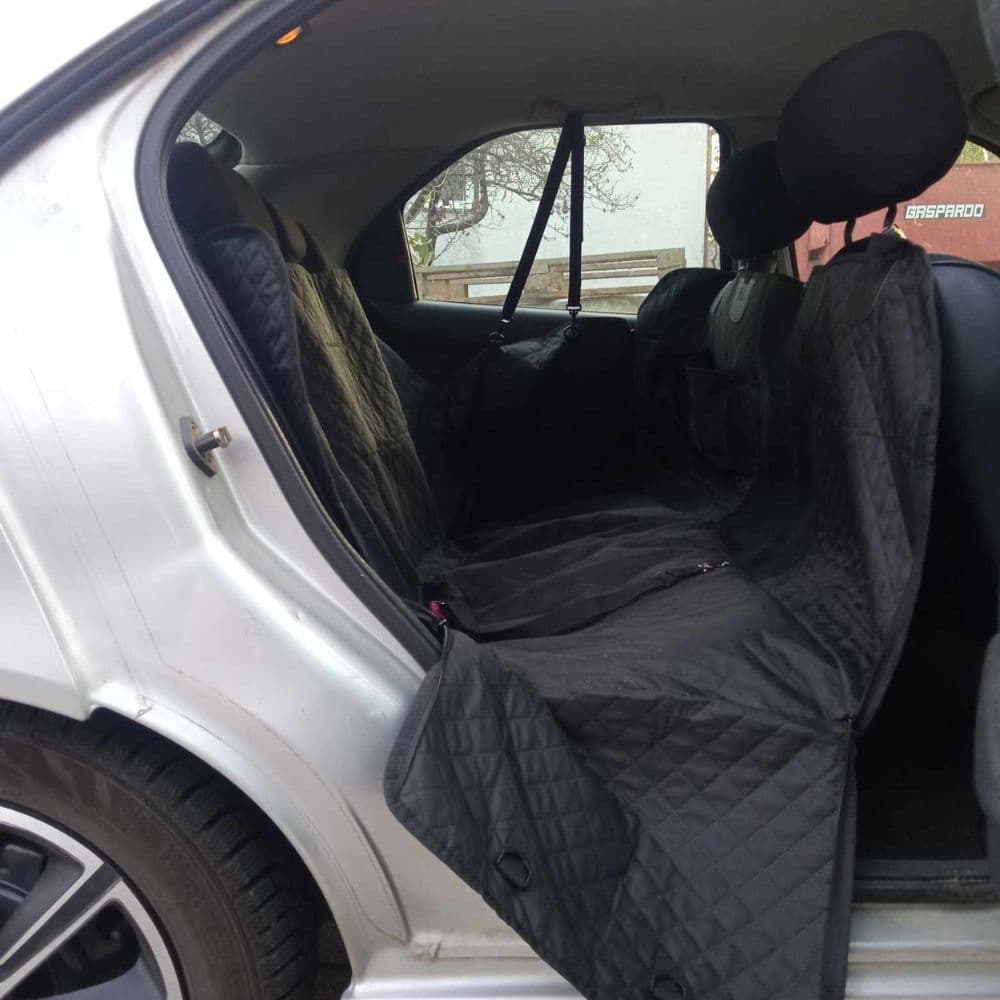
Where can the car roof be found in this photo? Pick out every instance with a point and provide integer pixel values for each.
(373, 96)
(441, 71)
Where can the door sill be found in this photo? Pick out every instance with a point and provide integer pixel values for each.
(959, 882)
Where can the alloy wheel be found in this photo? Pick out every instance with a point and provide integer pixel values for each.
(71, 928)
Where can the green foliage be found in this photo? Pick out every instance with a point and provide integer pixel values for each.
(973, 153)
(199, 128)
(421, 247)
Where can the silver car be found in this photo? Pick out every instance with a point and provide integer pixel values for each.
(204, 671)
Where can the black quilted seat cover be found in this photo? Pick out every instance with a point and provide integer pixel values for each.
(639, 745)
(357, 405)
(743, 405)
(249, 273)
(661, 800)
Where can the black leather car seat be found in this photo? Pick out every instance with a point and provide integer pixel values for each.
(963, 555)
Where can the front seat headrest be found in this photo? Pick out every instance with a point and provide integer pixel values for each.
(875, 125)
(749, 208)
(206, 194)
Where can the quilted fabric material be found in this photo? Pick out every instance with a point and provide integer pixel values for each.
(872, 373)
(561, 585)
(424, 407)
(544, 420)
(660, 801)
(664, 836)
(357, 405)
(248, 271)
(744, 409)
(647, 769)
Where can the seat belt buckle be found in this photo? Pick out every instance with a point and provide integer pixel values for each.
(439, 612)
(499, 336)
(574, 312)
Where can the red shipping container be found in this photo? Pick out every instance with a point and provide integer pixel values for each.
(957, 215)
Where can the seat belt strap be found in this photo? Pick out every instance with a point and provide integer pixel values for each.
(564, 149)
(573, 303)
(570, 145)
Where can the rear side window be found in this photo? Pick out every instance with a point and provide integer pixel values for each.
(644, 215)
(958, 215)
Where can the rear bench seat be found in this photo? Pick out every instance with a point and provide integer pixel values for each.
(661, 801)
(559, 569)
(553, 574)
(646, 769)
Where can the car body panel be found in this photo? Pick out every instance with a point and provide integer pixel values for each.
(33, 667)
(201, 608)
(41, 47)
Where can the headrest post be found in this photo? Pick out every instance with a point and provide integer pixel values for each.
(889, 222)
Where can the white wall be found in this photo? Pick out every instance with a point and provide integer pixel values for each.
(667, 179)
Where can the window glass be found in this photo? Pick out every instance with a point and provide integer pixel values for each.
(644, 214)
(957, 215)
(199, 128)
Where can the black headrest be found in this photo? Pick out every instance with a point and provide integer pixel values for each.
(206, 194)
(674, 311)
(875, 125)
(749, 208)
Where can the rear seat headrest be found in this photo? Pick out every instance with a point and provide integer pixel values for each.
(291, 237)
(297, 244)
(873, 126)
(674, 312)
(206, 194)
(749, 208)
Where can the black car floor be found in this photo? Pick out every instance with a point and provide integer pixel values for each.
(916, 798)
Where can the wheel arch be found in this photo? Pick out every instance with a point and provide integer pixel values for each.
(333, 893)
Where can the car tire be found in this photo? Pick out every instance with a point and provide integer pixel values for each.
(234, 904)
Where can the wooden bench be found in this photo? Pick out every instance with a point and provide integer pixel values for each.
(549, 278)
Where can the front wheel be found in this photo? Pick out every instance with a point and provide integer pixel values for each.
(131, 871)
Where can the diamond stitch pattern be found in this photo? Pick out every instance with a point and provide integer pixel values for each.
(675, 773)
(672, 774)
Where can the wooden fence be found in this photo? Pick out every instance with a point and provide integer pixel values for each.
(549, 278)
